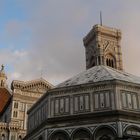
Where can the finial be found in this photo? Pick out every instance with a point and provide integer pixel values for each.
(2, 67)
(101, 18)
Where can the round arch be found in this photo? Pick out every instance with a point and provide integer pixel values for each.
(59, 135)
(104, 133)
(132, 131)
(81, 134)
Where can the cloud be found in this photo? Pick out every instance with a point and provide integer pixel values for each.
(49, 41)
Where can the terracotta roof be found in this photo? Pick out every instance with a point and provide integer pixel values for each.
(4, 98)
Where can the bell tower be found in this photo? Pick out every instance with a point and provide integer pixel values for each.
(102, 47)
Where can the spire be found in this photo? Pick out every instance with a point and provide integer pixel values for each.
(101, 18)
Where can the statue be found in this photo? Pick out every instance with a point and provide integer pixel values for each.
(2, 67)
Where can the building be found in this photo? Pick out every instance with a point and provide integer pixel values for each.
(14, 104)
(101, 103)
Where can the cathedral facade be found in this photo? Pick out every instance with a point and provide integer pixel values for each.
(14, 104)
(101, 103)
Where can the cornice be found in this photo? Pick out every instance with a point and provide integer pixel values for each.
(29, 85)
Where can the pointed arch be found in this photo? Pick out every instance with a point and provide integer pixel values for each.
(110, 60)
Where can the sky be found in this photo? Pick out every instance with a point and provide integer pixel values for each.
(44, 38)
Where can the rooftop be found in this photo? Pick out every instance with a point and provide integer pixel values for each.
(4, 98)
(98, 74)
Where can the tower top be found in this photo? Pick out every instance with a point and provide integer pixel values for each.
(102, 46)
(103, 31)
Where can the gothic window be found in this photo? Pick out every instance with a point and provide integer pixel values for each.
(15, 104)
(15, 113)
(110, 61)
